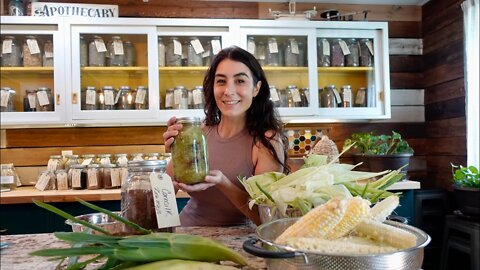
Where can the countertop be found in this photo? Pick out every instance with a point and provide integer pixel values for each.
(15, 256)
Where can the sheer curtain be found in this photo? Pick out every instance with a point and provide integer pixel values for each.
(471, 29)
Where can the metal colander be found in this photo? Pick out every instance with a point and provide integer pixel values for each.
(286, 258)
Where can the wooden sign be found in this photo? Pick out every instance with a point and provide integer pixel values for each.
(44, 9)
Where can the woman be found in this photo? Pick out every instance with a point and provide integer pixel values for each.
(244, 138)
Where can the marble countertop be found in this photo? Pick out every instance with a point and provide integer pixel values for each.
(16, 257)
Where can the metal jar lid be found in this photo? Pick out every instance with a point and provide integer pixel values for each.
(147, 164)
(190, 119)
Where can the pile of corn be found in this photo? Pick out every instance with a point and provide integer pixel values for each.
(348, 226)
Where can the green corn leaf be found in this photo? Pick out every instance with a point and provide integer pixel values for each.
(265, 192)
(82, 265)
(67, 252)
(82, 237)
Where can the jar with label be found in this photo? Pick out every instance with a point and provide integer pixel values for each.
(180, 98)
(337, 58)
(281, 54)
(302, 55)
(44, 99)
(47, 59)
(198, 97)
(124, 98)
(189, 152)
(294, 99)
(121, 160)
(93, 177)
(83, 52)
(291, 53)
(77, 176)
(8, 179)
(194, 53)
(305, 95)
(260, 52)
(104, 159)
(16, 8)
(32, 55)
(137, 157)
(190, 98)
(283, 97)
(169, 98)
(366, 52)
(173, 53)
(185, 45)
(89, 100)
(137, 198)
(115, 52)
(87, 159)
(97, 52)
(346, 96)
(54, 163)
(11, 53)
(352, 59)
(46, 181)
(30, 101)
(328, 98)
(110, 176)
(71, 160)
(272, 53)
(274, 96)
(140, 96)
(153, 156)
(7, 100)
(161, 52)
(323, 52)
(106, 99)
(130, 54)
(361, 97)
(62, 179)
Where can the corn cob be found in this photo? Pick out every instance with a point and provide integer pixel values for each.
(339, 246)
(181, 265)
(318, 222)
(381, 210)
(357, 210)
(386, 234)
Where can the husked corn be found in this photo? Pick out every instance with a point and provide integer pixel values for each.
(357, 210)
(386, 234)
(382, 209)
(339, 246)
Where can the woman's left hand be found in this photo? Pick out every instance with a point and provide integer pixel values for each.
(213, 178)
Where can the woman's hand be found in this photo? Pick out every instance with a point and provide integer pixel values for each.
(214, 177)
(172, 130)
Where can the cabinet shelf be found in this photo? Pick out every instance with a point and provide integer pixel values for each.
(285, 69)
(114, 69)
(344, 69)
(174, 70)
(26, 70)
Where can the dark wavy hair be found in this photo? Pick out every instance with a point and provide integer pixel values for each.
(261, 116)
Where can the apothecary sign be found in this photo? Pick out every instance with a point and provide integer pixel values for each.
(44, 9)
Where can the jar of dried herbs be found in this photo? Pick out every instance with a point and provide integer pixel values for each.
(89, 100)
(110, 176)
(106, 98)
(47, 59)
(32, 55)
(44, 99)
(11, 53)
(77, 176)
(94, 181)
(124, 98)
(141, 98)
(62, 179)
(97, 52)
(30, 101)
(7, 99)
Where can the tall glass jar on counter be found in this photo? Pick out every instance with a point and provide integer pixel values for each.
(11, 53)
(97, 52)
(44, 99)
(291, 53)
(83, 52)
(125, 98)
(7, 99)
(366, 52)
(323, 52)
(189, 153)
(272, 53)
(115, 52)
(106, 100)
(352, 59)
(140, 96)
(173, 53)
(89, 98)
(32, 55)
(161, 52)
(328, 98)
(47, 60)
(130, 54)
(30, 101)
(137, 199)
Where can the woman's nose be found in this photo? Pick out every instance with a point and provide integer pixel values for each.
(229, 89)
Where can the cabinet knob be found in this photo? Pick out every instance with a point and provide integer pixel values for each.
(74, 98)
(57, 99)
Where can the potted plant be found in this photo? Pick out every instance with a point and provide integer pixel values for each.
(379, 152)
(466, 187)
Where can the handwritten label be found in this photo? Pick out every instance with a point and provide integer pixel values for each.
(7, 179)
(90, 97)
(87, 161)
(42, 98)
(296, 95)
(33, 46)
(5, 96)
(251, 46)
(344, 47)
(274, 94)
(197, 96)
(369, 46)
(140, 97)
(165, 201)
(326, 47)
(100, 45)
(177, 47)
(32, 100)
(115, 177)
(7, 46)
(294, 45)
(273, 46)
(109, 98)
(117, 47)
(216, 46)
(197, 46)
(169, 100)
(76, 178)
(42, 183)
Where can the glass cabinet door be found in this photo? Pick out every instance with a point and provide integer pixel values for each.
(113, 73)
(30, 85)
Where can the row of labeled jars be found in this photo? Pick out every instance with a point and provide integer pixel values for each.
(181, 98)
(109, 98)
(29, 54)
(330, 97)
(40, 99)
(271, 52)
(292, 96)
(187, 51)
(344, 52)
(115, 53)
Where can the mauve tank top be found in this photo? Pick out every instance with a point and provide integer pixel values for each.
(233, 157)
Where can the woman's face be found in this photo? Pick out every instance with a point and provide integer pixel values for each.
(234, 88)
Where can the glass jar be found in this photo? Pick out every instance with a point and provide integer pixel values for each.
(180, 98)
(106, 99)
(260, 53)
(141, 98)
(161, 52)
(272, 53)
(207, 55)
(30, 101)
(89, 98)
(47, 59)
(46, 181)
(304, 95)
(302, 56)
(137, 199)
(169, 93)
(94, 181)
(44, 99)
(11, 54)
(328, 98)
(77, 176)
(194, 54)
(106, 176)
(293, 95)
(361, 97)
(173, 53)
(97, 52)
(104, 159)
(198, 97)
(32, 55)
(7, 99)
(87, 159)
(16, 8)
(8, 180)
(62, 179)
(346, 96)
(71, 160)
(190, 98)
(337, 58)
(137, 157)
(323, 52)
(130, 54)
(274, 96)
(83, 52)
(124, 98)
(291, 53)
(189, 152)
(153, 156)
(115, 52)
(352, 59)
(121, 160)
(366, 52)
(185, 45)
(283, 97)
(166, 156)
(54, 163)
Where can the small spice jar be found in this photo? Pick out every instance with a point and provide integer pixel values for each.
(124, 98)
(130, 54)
(44, 99)
(104, 159)
(141, 98)
(137, 199)
(110, 178)
(54, 163)
(173, 53)
(97, 52)
(7, 99)
(77, 176)
(32, 55)
(62, 179)
(47, 60)
(106, 98)
(30, 101)
(189, 152)
(11, 54)
(89, 98)
(121, 160)
(83, 52)
(137, 157)
(323, 52)
(94, 181)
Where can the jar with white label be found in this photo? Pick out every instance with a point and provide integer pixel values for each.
(11, 53)
(198, 97)
(161, 52)
(32, 55)
(7, 100)
(169, 98)
(115, 52)
(272, 53)
(140, 97)
(346, 96)
(361, 97)
(124, 98)
(83, 52)
(130, 54)
(30, 101)
(302, 55)
(366, 52)
(110, 176)
(194, 53)
(291, 53)
(180, 98)
(137, 156)
(106, 100)
(293, 95)
(87, 159)
(137, 198)
(352, 59)
(337, 58)
(54, 163)
(44, 99)
(304, 95)
(153, 156)
(8, 179)
(121, 160)
(328, 98)
(173, 53)
(71, 160)
(283, 97)
(61, 177)
(97, 52)
(47, 59)
(94, 181)
(89, 100)
(104, 159)
(274, 96)
(77, 176)
(323, 52)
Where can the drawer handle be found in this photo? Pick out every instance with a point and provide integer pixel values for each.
(74, 98)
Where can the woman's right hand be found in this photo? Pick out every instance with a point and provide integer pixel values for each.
(173, 128)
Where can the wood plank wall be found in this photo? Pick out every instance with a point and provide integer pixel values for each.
(30, 148)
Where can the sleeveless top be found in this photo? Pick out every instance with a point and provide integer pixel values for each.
(233, 157)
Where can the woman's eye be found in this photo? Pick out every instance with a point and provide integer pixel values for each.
(240, 81)
(220, 82)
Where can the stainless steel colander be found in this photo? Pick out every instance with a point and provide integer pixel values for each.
(286, 258)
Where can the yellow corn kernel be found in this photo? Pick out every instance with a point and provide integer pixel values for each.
(386, 234)
(357, 210)
(381, 210)
(338, 246)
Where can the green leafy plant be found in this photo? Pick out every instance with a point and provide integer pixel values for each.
(466, 176)
(369, 143)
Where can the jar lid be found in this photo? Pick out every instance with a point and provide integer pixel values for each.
(291, 87)
(91, 88)
(115, 37)
(272, 86)
(30, 37)
(97, 37)
(30, 91)
(189, 119)
(108, 87)
(71, 156)
(78, 166)
(108, 166)
(43, 89)
(55, 156)
(147, 163)
(93, 166)
(346, 87)
(124, 88)
(88, 156)
(9, 37)
(141, 87)
(200, 87)
(179, 87)
(104, 155)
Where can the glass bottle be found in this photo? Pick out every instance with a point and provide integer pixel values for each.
(137, 199)
(173, 53)
(130, 54)
(11, 54)
(328, 98)
(71, 160)
(7, 100)
(260, 52)
(323, 52)
(89, 98)
(140, 96)
(125, 98)
(361, 97)
(161, 52)
(44, 99)
(251, 46)
(30, 101)
(32, 55)
(169, 93)
(106, 98)
(62, 179)
(8, 179)
(352, 59)
(294, 98)
(194, 57)
(115, 52)
(189, 152)
(366, 53)
(16, 8)
(337, 58)
(291, 53)
(272, 52)
(180, 98)
(216, 46)
(274, 96)
(97, 52)
(198, 97)
(346, 96)
(83, 52)
(283, 97)
(47, 60)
